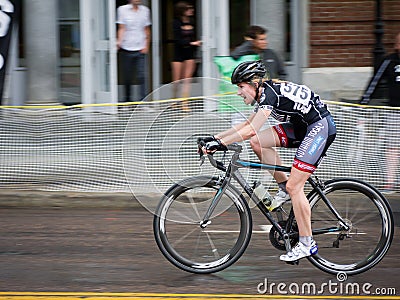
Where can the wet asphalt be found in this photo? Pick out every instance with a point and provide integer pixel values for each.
(113, 250)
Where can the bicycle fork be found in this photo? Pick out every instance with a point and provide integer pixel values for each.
(225, 182)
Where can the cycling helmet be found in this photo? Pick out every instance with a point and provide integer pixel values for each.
(247, 71)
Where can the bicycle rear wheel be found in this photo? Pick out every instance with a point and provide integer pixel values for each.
(369, 217)
(185, 243)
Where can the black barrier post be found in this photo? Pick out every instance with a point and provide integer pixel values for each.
(379, 50)
(376, 87)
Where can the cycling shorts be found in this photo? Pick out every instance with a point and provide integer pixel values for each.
(311, 141)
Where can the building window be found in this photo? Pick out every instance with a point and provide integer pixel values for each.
(70, 52)
(239, 20)
(288, 31)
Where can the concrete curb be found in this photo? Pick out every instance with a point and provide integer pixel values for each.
(34, 198)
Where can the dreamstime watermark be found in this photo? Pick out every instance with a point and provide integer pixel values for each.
(332, 287)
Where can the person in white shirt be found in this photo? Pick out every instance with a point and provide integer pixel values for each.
(133, 42)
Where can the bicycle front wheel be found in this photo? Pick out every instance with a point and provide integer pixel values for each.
(370, 221)
(208, 248)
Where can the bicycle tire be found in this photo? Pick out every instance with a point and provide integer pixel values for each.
(180, 237)
(370, 218)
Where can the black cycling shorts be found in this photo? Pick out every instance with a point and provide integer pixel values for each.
(311, 142)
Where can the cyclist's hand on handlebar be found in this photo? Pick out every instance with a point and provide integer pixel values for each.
(209, 145)
(201, 143)
(213, 146)
(204, 140)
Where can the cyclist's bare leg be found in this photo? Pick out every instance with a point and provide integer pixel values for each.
(301, 207)
(263, 146)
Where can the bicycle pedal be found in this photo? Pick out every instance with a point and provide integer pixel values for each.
(296, 262)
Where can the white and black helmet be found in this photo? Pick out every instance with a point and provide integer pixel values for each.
(247, 71)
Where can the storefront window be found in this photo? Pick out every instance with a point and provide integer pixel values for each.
(70, 51)
(288, 27)
(239, 21)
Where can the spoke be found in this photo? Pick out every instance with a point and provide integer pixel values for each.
(361, 199)
(358, 210)
(370, 216)
(185, 216)
(213, 248)
(323, 212)
(198, 242)
(177, 242)
(194, 205)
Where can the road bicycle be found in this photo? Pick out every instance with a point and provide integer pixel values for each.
(203, 224)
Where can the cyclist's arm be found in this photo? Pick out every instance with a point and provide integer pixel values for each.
(235, 128)
(248, 130)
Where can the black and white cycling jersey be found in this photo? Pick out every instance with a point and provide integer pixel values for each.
(306, 123)
(291, 102)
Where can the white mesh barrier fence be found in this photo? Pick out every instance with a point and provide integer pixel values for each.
(146, 147)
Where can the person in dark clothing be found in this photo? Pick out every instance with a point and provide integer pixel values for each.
(390, 70)
(392, 75)
(256, 42)
(185, 45)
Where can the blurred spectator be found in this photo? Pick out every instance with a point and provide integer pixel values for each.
(256, 42)
(392, 75)
(390, 70)
(133, 41)
(185, 45)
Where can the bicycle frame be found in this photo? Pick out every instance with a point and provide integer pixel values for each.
(233, 172)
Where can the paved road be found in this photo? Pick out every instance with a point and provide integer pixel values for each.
(112, 250)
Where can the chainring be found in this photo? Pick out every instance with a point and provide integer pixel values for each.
(277, 241)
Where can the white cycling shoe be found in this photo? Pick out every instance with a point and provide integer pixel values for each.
(300, 251)
(278, 200)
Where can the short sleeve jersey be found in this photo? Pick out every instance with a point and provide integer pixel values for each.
(291, 102)
(392, 74)
(135, 22)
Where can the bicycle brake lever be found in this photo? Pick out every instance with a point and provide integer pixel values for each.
(202, 159)
(200, 145)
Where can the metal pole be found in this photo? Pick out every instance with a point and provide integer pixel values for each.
(379, 50)
(155, 40)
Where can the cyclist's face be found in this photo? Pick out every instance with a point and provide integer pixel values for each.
(247, 92)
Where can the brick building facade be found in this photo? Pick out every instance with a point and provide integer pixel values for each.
(342, 31)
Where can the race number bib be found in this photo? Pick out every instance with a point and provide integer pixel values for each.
(297, 93)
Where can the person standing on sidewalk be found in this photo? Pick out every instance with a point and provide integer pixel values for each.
(185, 45)
(133, 42)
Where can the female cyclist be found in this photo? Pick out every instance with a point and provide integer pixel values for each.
(306, 124)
